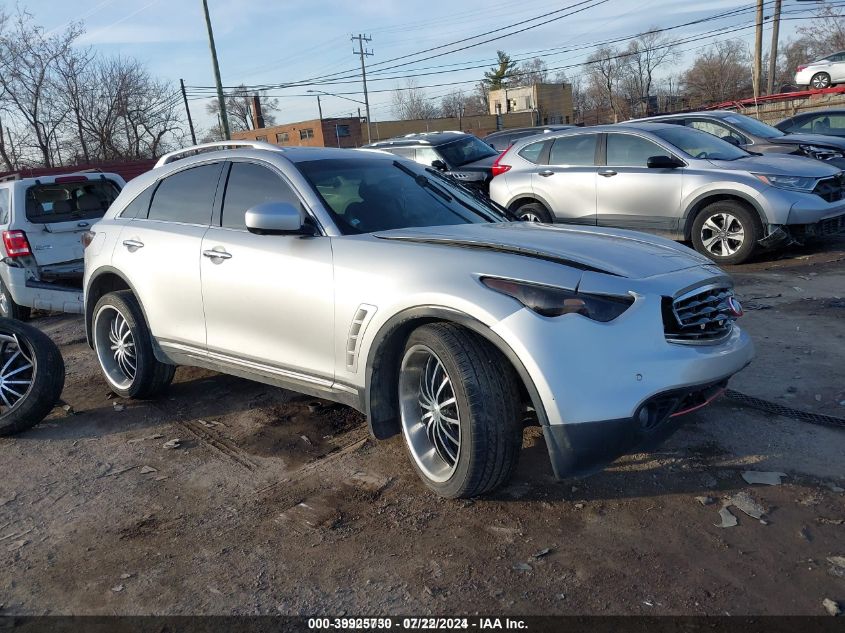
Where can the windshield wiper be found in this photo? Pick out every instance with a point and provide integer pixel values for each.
(474, 193)
(423, 182)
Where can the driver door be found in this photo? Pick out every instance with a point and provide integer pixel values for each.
(269, 299)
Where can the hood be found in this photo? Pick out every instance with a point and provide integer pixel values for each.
(485, 165)
(790, 164)
(611, 251)
(810, 139)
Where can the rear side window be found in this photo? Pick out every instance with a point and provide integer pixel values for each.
(248, 185)
(578, 150)
(627, 150)
(532, 152)
(4, 206)
(69, 201)
(186, 196)
(139, 207)
(501, 142)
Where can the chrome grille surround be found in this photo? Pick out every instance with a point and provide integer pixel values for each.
(700, 317)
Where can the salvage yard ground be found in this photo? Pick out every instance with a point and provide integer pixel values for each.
(271, 502)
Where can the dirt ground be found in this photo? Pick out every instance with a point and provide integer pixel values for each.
(277, 503)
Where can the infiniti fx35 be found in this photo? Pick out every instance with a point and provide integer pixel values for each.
(373, 281)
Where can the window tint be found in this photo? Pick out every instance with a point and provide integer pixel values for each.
(574, 150)
(627, 150)
(248, 185)
(717, 129)
(4, 206)
(825, 124)
(426, 156)
(465, 150)
(186, 196)
(532, 152)
(139, 207)
(69, 201)
(404, 152)
(501, 142)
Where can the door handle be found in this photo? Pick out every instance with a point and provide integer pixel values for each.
(213, 254)
(607, 173)
(133, 245)
(546, 173)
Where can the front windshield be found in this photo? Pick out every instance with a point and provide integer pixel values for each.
(367, 194)
(465, 150)
(753, 126)
(698, 144)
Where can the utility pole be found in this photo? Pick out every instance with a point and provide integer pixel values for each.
(773, 53)
(224, 119)
(188, 112)
(362, 52)
(757, 71)
(319, 108)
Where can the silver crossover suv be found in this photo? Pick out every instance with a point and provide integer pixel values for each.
(364, 278)
(672, 180)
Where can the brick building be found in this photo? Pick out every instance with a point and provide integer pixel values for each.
(339, 132)
(551, 103)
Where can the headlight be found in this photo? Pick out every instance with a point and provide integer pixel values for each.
(552, 302)
(795, 183)
(822, 153)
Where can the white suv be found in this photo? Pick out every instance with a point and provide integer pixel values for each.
(42, 220)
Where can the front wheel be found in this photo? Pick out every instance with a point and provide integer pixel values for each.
(726, 232)
(123, 344)
(820, 81)
(459, 405)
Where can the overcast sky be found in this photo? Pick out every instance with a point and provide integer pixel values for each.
(279, 41)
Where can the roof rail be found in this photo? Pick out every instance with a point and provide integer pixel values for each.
(197, 149)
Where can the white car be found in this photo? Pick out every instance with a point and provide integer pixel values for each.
(42, 220)
(823, 73)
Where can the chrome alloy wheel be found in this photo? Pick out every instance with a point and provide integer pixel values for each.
(431, 421)
(115, 347)
(528, 216)
(722, 234)
(17, 371)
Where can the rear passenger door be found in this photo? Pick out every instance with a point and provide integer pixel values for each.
(567, 184)
(160, 250)
(631, 195)
(269, 299)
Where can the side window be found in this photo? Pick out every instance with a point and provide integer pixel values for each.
(427, 155)
(532, 152)
(186, 196)
(4, 206)
(717, 129)
(502, 142)
(248, 185)
(140, 206)
(404, 152)
(578, 150)
(627, 150)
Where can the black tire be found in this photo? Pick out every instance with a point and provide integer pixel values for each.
(820, 81)
(151, 377)
(46, 376)
(486, 392)
(533, 212)
(9, 309)
(714, 214)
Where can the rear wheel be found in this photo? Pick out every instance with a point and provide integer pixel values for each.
(32, 376)
(726, 232)
(820, 81)
(124, 348)
(8, 307)
(533, 212)
(459, 405)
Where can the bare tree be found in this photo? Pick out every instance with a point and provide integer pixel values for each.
(604, 71)
(642, 58)
(410, 103)
(459, 104)
(73, 67)
(239, 108)
(28, 78)
(719, 73)
(533, 71)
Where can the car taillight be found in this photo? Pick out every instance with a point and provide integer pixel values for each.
(800, 68)
(87, 238)
(498, 168)
(16, 244)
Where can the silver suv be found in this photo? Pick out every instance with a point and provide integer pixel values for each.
(364, 278)
(674, 181)
(41, 220)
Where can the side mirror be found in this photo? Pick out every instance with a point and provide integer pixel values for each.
(663, 162)
(439, 165)
(274, 218)
(732, 140)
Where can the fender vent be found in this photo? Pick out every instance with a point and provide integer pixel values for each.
(356, 332)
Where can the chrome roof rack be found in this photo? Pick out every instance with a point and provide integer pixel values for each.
(216, 145)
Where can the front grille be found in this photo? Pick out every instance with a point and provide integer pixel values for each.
(831, 226)
(701, 316)
(831, 189)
